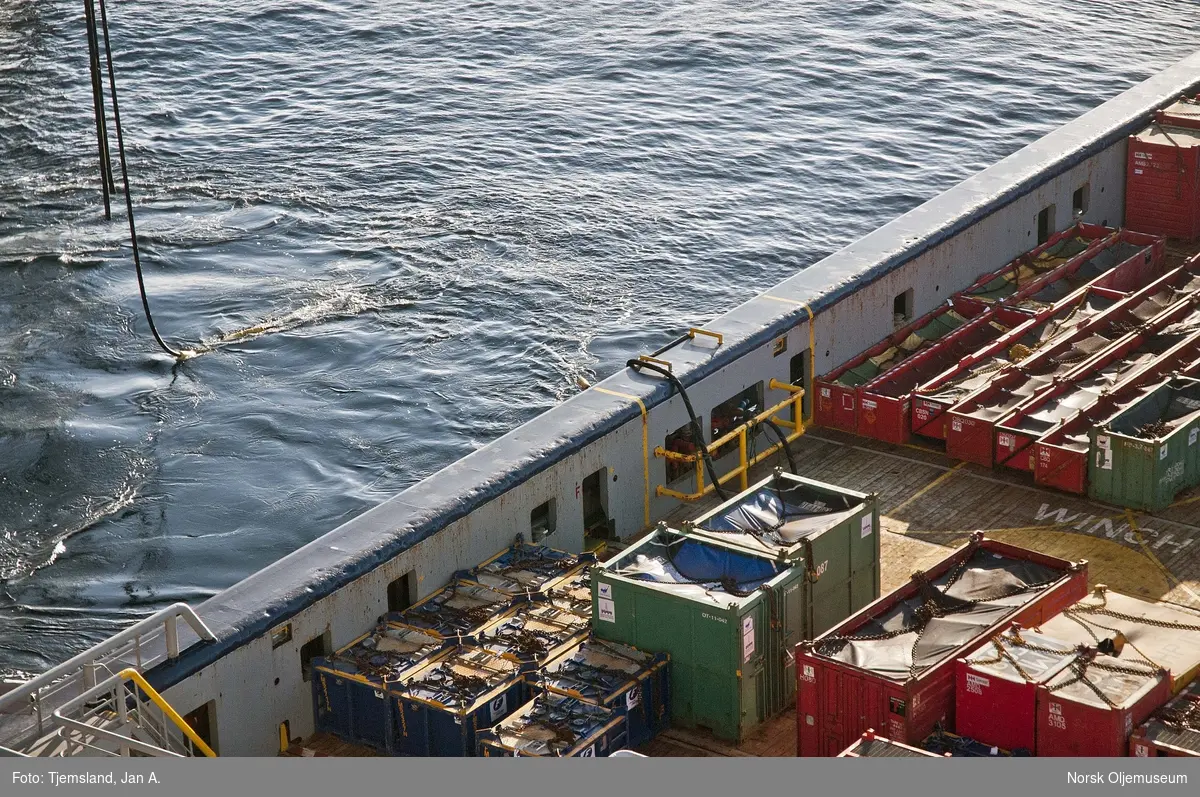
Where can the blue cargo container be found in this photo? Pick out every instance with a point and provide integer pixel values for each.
(554, 725)
(444, 704)
(527, 569)
(630, 682)
(574, 591)
(349, 687)
(535, 632)
(456, 611)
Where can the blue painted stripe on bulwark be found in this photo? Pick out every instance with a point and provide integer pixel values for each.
(271, 596)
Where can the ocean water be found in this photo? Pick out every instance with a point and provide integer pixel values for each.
(435, 217)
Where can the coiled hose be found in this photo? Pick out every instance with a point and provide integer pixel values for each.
(697, 431)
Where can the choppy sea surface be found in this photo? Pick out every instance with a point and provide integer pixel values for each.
(437, 215)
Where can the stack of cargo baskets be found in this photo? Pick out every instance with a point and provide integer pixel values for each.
(729, 595)
(498, 662)
(872, 746)
(896, 387)
(892, 665)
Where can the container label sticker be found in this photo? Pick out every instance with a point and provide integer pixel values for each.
(825, 392)
(1057, 720)
(869, 405)
(747, 638)
(1162, 452)
(1137, 171)
(605, 590)
(379, 695)
(955, 425)
(809, 674)
(633, 697)
(1141, 751)
(847, 402)
(867, 528)
(976, 683)
(608, 610)
(1005, 440)
(590, 752)
(1192, 435)
(499, 708)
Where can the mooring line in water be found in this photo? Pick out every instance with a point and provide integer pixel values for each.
(137, 261)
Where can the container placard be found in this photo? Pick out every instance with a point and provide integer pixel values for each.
(747, 638)
(1192, 435)
(605, 590)
(1162, 452)
(633, 697)
(590, 752)
(608, 610)
(499, 708)
(867, 527)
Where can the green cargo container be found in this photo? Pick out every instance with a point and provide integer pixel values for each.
(831, 532)
(728, 618)
(1148, 451)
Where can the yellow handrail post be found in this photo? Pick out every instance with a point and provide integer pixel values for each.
(699, 475)
(742, 458)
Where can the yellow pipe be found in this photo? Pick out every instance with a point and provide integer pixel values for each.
(165, 707)
(694, 331)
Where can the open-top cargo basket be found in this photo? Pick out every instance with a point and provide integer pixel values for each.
(535, 632)
(633, 683)
(871, 746)
(556, 726)
(1173, 730)
(727, 617)
(456, 611)
(1025, 401)
(892, 664)
(526, 569)
(1150, 450)
(349, 686)
(1163, 634)
(830, 532)
(440, 707)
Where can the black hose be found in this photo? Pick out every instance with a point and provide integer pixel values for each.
(137, 262)
(779, 435)
(697, 431)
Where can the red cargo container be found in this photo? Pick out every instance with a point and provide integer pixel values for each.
(996, 694)
(1060, 457)
(1173, 730)
(1094, 345)
(1162, 181)
(838, 392)
(1125, 262)
(1163, 633)
(872, 746)
(885, 400)
(1091, 708)
(891, 665)
(1183, 113)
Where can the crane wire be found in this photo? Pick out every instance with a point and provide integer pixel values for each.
(137, 261)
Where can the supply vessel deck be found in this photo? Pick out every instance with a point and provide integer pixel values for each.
(234, 676)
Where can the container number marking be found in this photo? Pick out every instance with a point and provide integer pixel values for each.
(607, 610)
(1057, 720)
(809, 674)
(976, 683)
(867, 527)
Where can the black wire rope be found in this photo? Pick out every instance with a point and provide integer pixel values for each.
(137, 261)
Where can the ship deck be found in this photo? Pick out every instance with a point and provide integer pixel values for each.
(930, 504)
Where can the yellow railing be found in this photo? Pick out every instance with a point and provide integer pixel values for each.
(165, 708)
(742, 469)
